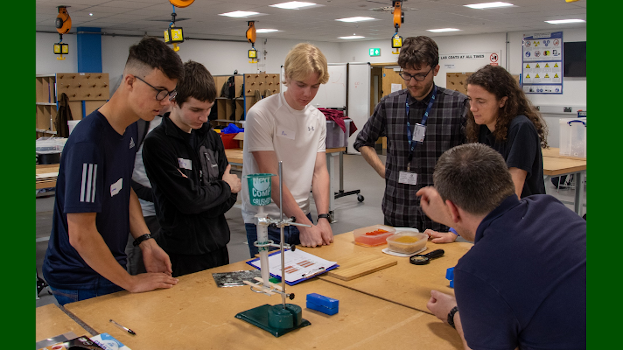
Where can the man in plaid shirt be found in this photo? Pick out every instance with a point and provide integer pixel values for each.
(414, 143)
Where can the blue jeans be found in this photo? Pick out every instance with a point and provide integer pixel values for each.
(290, 234)
(64, 296)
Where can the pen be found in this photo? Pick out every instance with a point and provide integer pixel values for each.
(122, 327)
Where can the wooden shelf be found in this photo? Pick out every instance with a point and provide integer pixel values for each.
(228, 121)
(225, 98)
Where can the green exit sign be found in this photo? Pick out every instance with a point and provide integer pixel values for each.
(374, 52)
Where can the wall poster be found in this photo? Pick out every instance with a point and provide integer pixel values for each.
(542, 63)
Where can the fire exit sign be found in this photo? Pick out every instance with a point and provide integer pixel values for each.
(374, 52)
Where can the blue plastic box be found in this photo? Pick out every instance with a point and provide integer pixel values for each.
(323, 304)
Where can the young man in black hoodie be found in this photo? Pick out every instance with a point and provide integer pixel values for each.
(186, 164)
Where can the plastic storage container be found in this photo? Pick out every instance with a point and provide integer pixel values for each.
(407, 242)
(372, 236)
(572, 137)
(335, 136)
(48, 149)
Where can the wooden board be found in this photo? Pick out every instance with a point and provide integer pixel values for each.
(52, 321)
(358, 265)
(195, 314)
(405, 284)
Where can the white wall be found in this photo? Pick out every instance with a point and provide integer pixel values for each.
(574, 89)
(223, 58)
(46, 61)
(220, 57)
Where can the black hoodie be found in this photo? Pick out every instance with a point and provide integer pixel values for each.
(191, 199)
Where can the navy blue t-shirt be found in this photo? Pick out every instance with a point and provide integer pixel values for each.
(521, 149)
(523, 283)
(94, 177)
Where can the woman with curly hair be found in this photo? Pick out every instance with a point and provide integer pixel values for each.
(502, 117)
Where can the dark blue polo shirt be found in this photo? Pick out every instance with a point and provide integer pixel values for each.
(523, 283)
(94, 177)
(522, 150)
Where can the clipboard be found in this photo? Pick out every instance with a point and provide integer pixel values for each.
(300, 265)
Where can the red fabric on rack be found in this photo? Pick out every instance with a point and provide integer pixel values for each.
(338, 117)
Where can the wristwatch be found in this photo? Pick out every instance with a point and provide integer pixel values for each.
(141, 239)
(451, 316)
(324, 216)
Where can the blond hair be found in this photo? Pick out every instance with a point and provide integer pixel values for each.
(305, 59)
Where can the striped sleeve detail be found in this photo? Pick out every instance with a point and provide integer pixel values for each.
(87, 186)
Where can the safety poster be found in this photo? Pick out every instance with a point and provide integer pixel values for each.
(542, 63)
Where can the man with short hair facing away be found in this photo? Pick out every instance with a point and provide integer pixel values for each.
(95, 206)
(187, 167)
(420, 122)
(523, 283)
(285, 127)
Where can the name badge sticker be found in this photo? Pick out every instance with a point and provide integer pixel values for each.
(283, 132)
(185, 163)
(419, 132)
(116, 187)
(407, 178)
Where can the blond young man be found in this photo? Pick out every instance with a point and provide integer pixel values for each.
(285, 127)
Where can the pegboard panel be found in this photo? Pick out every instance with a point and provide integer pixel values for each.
(262, 82)
(456, 81)
(83, 86)
(273, 82)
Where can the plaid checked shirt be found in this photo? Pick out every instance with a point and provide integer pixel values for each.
(445, 128)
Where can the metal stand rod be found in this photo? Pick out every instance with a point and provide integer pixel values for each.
(283, 267)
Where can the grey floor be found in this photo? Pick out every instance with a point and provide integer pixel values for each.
(349, 212)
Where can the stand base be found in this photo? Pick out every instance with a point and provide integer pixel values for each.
(274, 318)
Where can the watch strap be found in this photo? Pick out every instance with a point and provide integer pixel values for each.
(141, 239)
(451, 316)
(324, 216)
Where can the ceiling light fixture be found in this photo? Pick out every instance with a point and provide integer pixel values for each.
(565, 21)
(489, 5)
(90, 14)
(441, 30)
(266, 30)
(352, 37)
(239, 14)
(355, 19)
(293, 5)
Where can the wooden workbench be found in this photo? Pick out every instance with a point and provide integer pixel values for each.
(52, 321)
(196, 314)
(555, 164)
(405, 284)
(46, 175)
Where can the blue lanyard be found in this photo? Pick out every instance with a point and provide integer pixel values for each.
(424, 119)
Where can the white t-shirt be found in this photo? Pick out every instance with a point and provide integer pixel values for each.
(295, 136)
(139, 174)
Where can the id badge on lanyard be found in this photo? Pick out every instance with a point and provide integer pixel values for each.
(419, 133)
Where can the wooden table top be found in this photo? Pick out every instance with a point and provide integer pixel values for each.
(559, 166)
(555, 153)
(404, 283)
(46, 175)
(196, 314)
(52, 321)
(234, 155)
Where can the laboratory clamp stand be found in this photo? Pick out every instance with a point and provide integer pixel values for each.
(281, 318)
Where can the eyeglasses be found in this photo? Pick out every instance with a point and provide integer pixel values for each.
(161, 93)
(418, 77)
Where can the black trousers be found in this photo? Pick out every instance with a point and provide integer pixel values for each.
(135, 263)
(186, 264)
